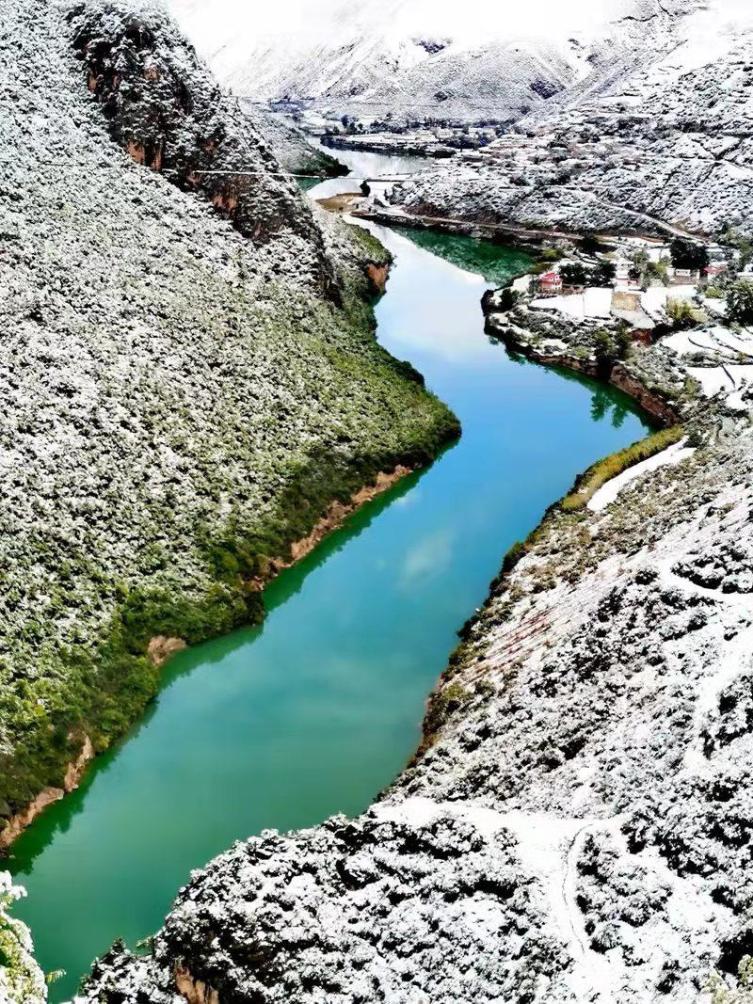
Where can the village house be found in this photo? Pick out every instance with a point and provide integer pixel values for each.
(684, 276)
(550, 284)
(627, 306)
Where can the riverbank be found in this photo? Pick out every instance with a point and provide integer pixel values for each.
(154, 476)
(388, 146)
(515, 329)
(617, 374)
(319, 709)
(291, 146)
(565, 752)
(159, 633)
(522, 236)
(586, 768)
(21, 980)
(161, 648)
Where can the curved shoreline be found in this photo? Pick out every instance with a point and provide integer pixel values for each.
(162, 648)
(194, 980)
(619, 377)
(584, 441)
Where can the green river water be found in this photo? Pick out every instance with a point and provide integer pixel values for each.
(317, 710)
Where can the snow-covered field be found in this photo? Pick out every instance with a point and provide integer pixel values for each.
(717, 339)
(594, 302)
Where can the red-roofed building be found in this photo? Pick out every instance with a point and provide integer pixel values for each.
(550, 284)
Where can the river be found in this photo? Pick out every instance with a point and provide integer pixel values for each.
(318, 709)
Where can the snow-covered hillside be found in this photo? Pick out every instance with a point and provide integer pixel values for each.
(657, 138)
(415, 58)
(161, 384)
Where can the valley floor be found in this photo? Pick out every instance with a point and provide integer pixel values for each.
(576, 823)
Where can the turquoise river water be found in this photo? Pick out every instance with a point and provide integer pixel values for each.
(317, 710)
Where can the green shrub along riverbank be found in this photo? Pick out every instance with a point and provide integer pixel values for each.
(559, 527)
(292, 404)
(610, 467)
(589, 483)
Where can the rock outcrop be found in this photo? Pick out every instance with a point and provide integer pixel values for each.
(183, 397)
(292, 148)
(164, 108)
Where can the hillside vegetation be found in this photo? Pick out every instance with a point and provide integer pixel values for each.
(189, 374)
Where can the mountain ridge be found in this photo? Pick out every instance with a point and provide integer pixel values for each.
(366, 59)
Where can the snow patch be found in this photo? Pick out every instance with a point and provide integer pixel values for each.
(716, 379)
(593, 302)
(672, 456)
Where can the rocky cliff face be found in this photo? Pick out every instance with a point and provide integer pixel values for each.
(659, 136)
(577, 825)
(182, 397)
(165, 109)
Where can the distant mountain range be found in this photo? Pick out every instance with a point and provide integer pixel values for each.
(416, 59)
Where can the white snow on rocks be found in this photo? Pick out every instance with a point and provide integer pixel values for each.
(717, 379)
(578, 824)
(576, 829)
(478, 60)
(654, 299)
(714, 339)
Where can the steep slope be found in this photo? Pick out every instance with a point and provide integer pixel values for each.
(293, 150)
(188, 373)
(170, 115)
(661, 137)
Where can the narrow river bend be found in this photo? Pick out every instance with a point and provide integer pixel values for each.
(317, 710)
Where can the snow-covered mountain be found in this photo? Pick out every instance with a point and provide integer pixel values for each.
(653, 139)
(416, 57)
